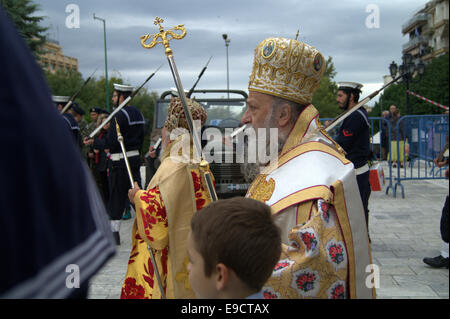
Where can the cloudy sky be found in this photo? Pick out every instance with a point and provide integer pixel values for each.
(363, 37)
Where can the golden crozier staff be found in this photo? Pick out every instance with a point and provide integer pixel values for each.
(165, 37)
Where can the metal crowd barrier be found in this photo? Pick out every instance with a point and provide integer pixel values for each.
(424, 136)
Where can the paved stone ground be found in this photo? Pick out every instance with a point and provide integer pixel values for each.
(403, 232)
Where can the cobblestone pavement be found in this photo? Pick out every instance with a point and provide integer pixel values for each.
(403, 232)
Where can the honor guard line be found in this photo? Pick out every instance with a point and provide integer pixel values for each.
(166, 36)
(122, 105)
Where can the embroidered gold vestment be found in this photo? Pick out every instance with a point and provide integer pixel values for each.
(314, 196)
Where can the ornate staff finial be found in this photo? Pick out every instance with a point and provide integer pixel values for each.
(165, 36)
(158, 22)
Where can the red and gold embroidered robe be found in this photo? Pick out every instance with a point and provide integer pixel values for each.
(163, 214)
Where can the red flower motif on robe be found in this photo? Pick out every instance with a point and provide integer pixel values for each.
(131, 290)
(338, 292)
(269, 295)
(197, 181)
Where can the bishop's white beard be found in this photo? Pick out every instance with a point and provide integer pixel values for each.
(251, 168)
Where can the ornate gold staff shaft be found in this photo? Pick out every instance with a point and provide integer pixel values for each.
(124, 152)
(130, 175)
(165, 37)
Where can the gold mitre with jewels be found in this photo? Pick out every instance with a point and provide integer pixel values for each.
(287, 68)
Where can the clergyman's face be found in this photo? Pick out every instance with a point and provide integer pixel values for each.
(259, 107)
(203, 287)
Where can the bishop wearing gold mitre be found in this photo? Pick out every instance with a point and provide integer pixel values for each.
(312, 187)
(163, 214)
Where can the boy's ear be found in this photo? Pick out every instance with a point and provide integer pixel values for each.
(222, 276)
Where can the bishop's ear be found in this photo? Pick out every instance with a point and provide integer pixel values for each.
(283, 115)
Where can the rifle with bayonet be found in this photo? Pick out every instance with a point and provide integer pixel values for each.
(188, 95)
(74, 96)
(347, 113)
(122, 105)
(198, 79)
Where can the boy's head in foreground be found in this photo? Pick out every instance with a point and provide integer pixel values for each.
(233, 247)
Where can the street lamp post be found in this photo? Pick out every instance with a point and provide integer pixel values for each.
(407, 69)
(227, 43)
(106, 63)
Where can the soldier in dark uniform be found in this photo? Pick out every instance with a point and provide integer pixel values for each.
(95, 112)
(72, 124)
(78, 113)
(131, 123)
(354, 137)
(88, 151)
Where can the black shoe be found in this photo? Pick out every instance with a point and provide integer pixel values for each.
(437, 262)
(116, 237)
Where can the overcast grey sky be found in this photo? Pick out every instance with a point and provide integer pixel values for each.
(361, 52)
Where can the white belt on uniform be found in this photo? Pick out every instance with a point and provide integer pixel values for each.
(362, 169)
(119, 156)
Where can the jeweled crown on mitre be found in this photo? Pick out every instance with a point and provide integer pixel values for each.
(287, 68)
(176, 117)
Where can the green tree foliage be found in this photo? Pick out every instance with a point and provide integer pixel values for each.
(22, 14)
(433, 85)
(93, 95)
(324, 98)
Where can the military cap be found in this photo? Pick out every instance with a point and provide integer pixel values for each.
(350, 86)
(77, 109)
(60, 99)
(123, 88)
(96, 110)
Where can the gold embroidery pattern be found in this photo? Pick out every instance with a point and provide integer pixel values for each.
(183, 275)
(262, 190)
(296, 266)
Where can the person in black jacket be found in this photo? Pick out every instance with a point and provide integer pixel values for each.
(100, 159)
(354, 137)
(131, 123)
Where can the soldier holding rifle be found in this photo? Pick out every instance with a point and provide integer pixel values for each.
(131, 122)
